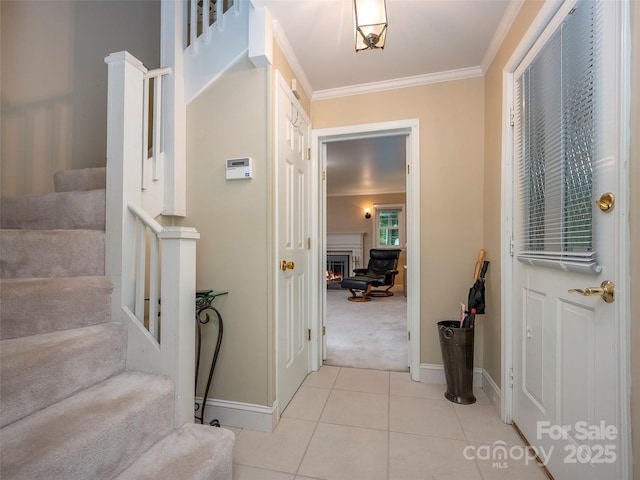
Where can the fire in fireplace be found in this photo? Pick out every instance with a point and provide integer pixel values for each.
(337, 268)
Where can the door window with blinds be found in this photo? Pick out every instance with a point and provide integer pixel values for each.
(556, 116)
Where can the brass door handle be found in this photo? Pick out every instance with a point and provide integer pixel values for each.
(605, 290)
(284, 265)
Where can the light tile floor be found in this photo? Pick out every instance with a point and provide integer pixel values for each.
(356, 424)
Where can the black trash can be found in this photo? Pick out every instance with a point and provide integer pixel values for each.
(457, 356)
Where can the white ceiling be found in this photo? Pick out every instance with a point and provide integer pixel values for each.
(427, 41)
(366, 166)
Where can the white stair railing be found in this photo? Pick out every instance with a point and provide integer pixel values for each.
(153, 153)
(202, 14)
(216, 35)
(144, 259)
(153, 266)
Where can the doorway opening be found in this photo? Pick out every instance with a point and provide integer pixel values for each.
(364, 175)
(376, 138)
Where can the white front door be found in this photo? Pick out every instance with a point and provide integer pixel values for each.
(292, 237)
(567, 395)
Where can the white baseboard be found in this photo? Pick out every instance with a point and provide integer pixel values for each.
(434, 373)
(241, 415)
(493, 391)
(265, 419)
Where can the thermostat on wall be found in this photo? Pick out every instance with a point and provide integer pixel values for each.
(238, 168)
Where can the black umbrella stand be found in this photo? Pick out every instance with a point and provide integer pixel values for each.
(456, 345)
(457, 341)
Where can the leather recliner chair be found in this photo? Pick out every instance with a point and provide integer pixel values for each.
(380, 274)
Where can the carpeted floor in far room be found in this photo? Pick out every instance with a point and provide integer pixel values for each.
(367, 334)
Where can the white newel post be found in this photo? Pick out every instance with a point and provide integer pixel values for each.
(175, 118)
(124, 177)
(179, 305)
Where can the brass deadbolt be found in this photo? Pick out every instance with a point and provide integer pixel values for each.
(607, 202)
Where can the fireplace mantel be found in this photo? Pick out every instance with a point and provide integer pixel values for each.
(351, 243)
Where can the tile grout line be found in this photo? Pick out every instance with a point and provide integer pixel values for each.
(295, 475)
(389, 428)
(466, 438)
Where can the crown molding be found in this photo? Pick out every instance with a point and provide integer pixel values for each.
(503, 28)
(368, 193)
(414, 81)
(460, 74)
(287, 51)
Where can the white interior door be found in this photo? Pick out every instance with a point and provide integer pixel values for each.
(292, 240)
(567, 368)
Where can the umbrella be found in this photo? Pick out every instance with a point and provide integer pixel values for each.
(476, 292)
(475, 301)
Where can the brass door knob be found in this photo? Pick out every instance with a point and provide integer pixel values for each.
(284, 265)
(605, 290)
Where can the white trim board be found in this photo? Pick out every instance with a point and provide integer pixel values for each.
(493, 391)
(406, 82)
(241, 415)
(503, 28)
(434, 373)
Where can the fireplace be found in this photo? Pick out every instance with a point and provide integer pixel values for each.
(344, 253)
(337, 268)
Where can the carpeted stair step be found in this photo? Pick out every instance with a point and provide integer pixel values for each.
(51, 253)
(94, 434)
(80, 179)
(64, 210)
(40, 370)
(32, 306)
(196, 452)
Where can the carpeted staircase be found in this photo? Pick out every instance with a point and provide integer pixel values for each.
(68, 408)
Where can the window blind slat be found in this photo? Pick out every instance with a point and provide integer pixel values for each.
(555, 141)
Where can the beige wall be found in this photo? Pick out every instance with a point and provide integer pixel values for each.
(451, 116)
(54, 82)
(234, 218)
(346, 214)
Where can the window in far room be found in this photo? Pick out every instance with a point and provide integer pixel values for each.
(389, 226)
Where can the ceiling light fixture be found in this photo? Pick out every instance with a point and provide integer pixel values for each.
(371, 23)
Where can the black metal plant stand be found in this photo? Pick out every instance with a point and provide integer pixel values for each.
(203, 306)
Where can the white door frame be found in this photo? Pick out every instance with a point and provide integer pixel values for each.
(622, 303)
(319, 139)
